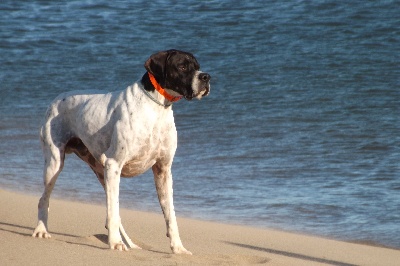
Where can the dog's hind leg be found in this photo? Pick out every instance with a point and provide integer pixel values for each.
(126, 238)
(54, 162)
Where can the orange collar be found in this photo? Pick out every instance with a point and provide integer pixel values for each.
(163, 92)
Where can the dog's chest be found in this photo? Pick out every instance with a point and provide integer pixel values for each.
(155, 141)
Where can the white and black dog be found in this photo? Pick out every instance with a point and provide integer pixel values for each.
(123, 133)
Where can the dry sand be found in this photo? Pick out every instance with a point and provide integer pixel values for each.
(79, 238)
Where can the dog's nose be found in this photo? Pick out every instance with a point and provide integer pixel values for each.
(204, 77)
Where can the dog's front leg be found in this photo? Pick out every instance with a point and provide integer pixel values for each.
(112, 173)
(163, 181)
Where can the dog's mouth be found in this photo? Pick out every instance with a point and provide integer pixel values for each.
(203, 92)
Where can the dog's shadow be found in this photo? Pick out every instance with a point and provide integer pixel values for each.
(16, 229)
(25, 231)
(102, 238)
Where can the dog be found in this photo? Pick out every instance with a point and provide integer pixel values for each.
(123, 134)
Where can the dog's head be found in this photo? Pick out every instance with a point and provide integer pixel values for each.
(179, 71)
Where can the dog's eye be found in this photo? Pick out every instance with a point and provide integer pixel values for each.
(182, 68)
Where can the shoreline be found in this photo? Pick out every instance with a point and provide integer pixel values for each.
(79, 237)
(219, 221)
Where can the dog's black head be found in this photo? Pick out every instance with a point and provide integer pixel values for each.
(179, 71)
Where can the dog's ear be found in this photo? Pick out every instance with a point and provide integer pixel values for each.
(156, 64)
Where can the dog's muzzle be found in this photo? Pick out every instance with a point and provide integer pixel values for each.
(200, 86)
(205, 77)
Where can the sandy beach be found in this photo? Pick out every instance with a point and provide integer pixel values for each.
(79, 238)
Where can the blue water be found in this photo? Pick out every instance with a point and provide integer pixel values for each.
(301, 130)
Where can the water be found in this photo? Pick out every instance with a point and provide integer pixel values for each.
(300, 131)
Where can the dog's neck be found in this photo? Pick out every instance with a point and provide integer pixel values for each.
(157, 93)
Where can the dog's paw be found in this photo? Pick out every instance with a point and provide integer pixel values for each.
(119, 246)
(41, 232)
(41, 235)
(181, 250)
